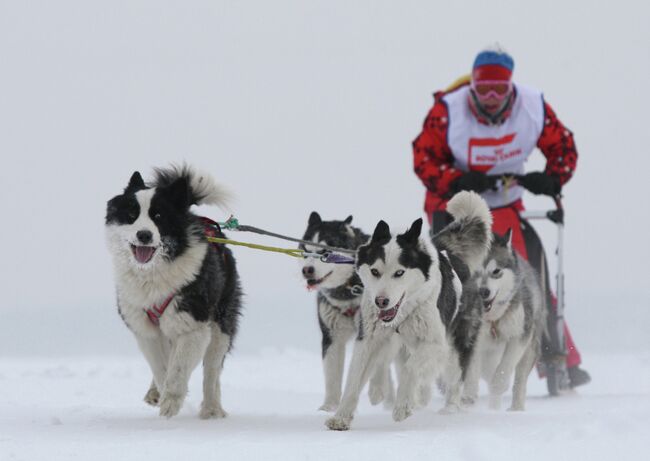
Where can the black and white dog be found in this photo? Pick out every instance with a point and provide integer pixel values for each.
(177, 293)
(338, 300)
(412, 292)
(513, 322)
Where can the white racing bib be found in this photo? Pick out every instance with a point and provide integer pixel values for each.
(495, 149)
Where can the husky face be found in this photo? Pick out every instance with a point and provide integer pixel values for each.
(147, 226)
(331, 233)
(498, 278)
(393, 271)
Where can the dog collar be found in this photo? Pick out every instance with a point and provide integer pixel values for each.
(350, 311)
(155, 312)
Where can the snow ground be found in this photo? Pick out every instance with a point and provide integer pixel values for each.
(90, 408)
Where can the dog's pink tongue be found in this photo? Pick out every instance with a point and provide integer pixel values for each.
(386, 313)
(144, 254)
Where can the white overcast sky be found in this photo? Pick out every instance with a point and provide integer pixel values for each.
(297, 106)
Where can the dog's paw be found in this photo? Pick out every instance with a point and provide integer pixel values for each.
(424, 395)
(401, 412)
(495, 402)
(329, 407)
(337, 423)
(516, 407)
(170, 404)
(468, 400)
(499, 384)
(376, 394)
(449, 409)
(152, 397)
(212, 412)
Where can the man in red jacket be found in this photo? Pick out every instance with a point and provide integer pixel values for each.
(484, 127)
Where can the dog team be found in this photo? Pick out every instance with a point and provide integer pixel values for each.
(444, 310)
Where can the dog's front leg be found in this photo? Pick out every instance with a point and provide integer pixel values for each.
(333, 367)
(419, 369)
(380, 388)
(363, 357)
(498, 384)
(472, 377)
(187, 351)
(525, 365)
(156, 351)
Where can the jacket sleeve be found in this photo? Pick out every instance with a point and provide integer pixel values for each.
(556, 143)
(433, 161)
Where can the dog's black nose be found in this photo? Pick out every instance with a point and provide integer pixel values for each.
(382, 302)
(144, 236)
(308, 271)
(484, 292)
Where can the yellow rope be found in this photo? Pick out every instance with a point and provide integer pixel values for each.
(459, 82)
(295, 252)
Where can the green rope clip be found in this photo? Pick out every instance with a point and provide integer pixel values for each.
(231, 224)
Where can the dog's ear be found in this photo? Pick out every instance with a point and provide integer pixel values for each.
(314, 219)
(178, 193)
(381, 235)
(136, 183)
(412, 235)
(507, 238)
(504, 240)
(348, 220)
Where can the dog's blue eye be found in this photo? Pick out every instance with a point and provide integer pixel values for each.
(398, 273)
(374, 272)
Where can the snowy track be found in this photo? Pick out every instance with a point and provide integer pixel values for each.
(92, 409)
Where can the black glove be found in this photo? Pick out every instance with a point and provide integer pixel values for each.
(541, 183)
(472, 180)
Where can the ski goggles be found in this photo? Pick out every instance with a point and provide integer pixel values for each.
(491, 89)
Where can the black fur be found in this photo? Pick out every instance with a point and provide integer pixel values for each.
(326, 335)
(447, 298)
(467, 323)
(412, 255)
(215, 294)
(334, 233)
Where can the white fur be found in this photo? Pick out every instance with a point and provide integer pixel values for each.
(342, 329)
(338, 273)
(421, 333)
(470, 205)
(501, 347)
(175, 347)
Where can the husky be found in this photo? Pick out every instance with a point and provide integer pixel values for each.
(412, 294)
(338, 298)
(177, 293)
(513, 322)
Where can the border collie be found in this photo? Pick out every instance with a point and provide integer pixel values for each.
(177, 293)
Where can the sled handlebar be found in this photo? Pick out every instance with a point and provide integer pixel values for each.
(556, 215)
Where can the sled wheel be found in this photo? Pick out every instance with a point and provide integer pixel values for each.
(557, 377)
(552, 380)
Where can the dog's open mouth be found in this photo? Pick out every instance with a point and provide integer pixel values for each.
(386, 315)
(313, 283)
(487, 304)
(143, 254)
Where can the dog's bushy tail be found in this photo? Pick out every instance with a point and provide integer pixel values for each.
(469, 236)
(204, 189)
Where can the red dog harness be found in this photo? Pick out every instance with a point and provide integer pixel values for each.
(155, 312)
(211, 229)
(350, 311)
